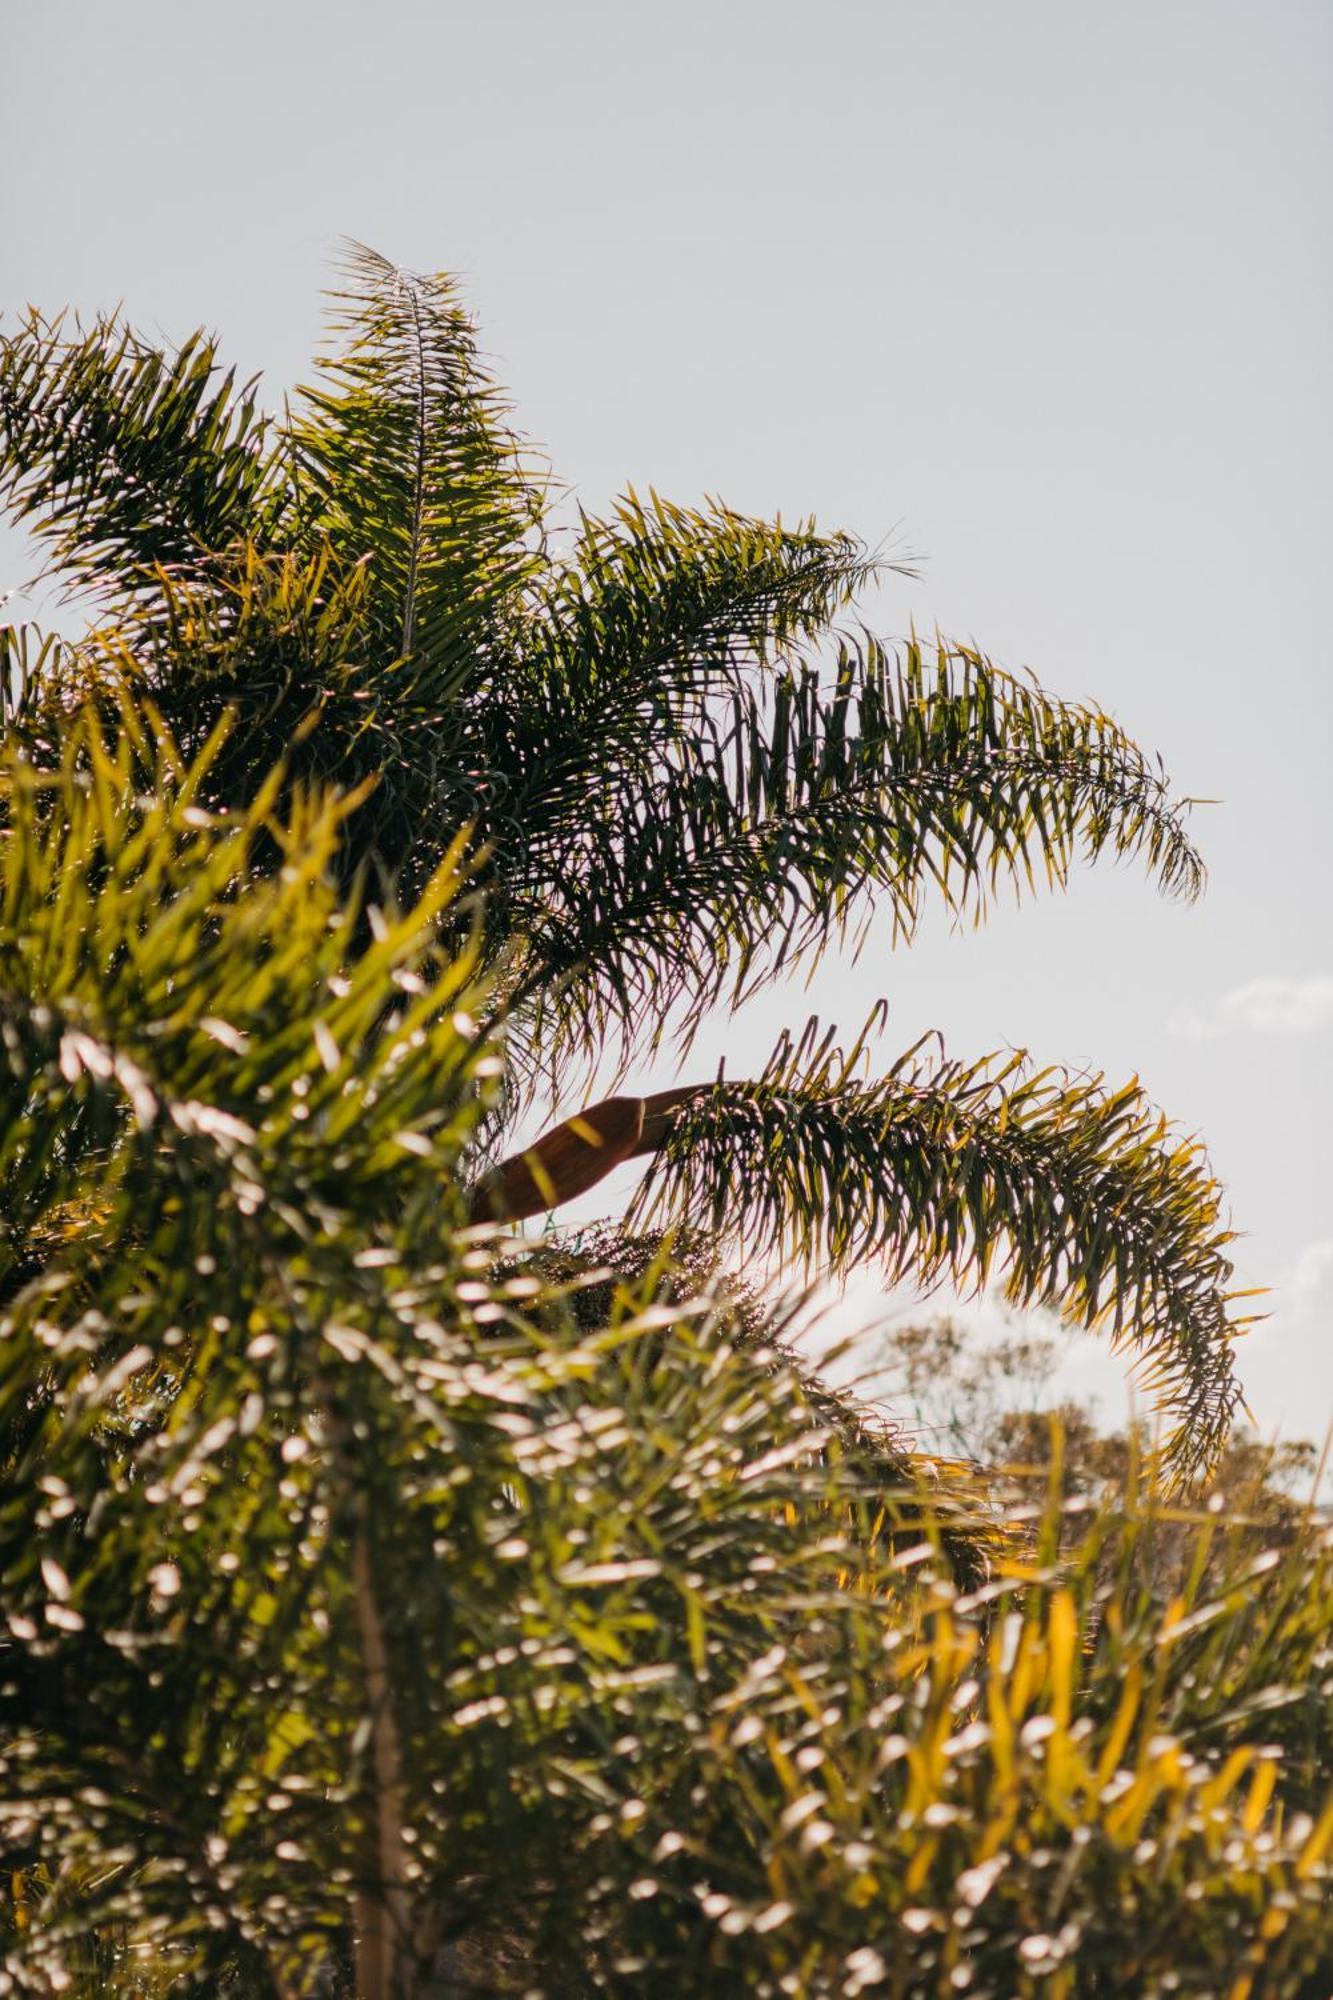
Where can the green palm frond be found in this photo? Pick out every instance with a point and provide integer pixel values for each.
(656, 612)
(124, 458)
(402, 458)
(167, 1010)
(272, 648)
(802, 811)
(1083, 1198)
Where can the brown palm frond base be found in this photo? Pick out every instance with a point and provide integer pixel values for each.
(573, 1156)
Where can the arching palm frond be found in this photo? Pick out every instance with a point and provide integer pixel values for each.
(1083, 1198)
(125, 458)
(403, 460)
(802, 811)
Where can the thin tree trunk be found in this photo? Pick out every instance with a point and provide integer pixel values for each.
(383, 1910)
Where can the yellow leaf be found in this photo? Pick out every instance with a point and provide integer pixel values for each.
(1120, 1728)
(1261, 1791)
(1063, 1640)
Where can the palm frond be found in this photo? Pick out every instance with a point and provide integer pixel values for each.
(273, 645)
(804, 811)
(1083, 1198)
(279, 646)
(657, 612)
(402, 458)
(124, 457)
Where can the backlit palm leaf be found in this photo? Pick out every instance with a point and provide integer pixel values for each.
(1078, 1197)
(402, 460)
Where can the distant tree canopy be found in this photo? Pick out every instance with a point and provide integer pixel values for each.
(995, 1400)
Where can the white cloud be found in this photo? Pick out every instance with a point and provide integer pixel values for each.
(1266, 1006)
(1308, 1292)
(1281, 1006)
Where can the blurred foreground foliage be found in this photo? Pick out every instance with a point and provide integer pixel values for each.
(354, 1573)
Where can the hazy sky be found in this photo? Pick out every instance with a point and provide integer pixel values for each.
(1040, 291)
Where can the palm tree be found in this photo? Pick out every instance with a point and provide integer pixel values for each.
(686, 770)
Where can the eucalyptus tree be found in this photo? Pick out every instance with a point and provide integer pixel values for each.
(685, 771)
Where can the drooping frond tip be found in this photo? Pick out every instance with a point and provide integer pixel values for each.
(1078, 1198)
(747, 817)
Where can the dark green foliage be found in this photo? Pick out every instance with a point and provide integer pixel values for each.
(127, 459)
(387, 1600)
(683, 1694)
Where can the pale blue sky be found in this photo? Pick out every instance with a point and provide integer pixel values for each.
(1043, 289)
